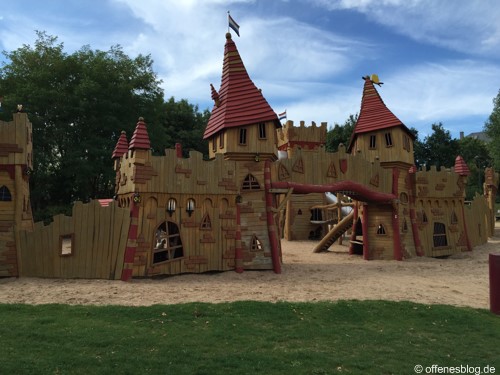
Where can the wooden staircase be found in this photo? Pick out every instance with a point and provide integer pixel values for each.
(337, 231)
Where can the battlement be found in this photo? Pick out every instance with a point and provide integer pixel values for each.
(307, 137)
(444, 183)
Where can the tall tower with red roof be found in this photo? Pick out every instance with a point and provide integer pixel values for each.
(242, 125)
(378, 133)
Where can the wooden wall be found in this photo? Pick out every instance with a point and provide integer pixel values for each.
(478, 220)
(98, 235)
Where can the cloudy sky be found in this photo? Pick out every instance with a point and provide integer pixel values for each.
(439, 60)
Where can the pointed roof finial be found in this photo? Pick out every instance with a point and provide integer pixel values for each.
(140, 138)
(240, 101)
(215, 95)
(121, 146)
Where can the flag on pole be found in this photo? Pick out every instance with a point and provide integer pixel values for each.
(233, 25)
(282, 115)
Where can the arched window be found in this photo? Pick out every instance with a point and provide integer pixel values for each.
(168, 244)
(316, 214)
(380, 229)
(439, 235)
(5, 195)
(250, 183)
(454, 218)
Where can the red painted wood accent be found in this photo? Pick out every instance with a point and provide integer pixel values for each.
(359, 191)
(469, 246)
(271, 225)
(413, 214)
(126, 274)
(128, 258)
(121, 146)
(494, 271)
(239, 102)
(10, 169)
(178, 150)
(238, 251)
(140, 138)
(461, 167)
(353, 231)
(364, 225)
(396, 236)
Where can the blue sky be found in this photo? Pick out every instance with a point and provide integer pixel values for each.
(439, 59)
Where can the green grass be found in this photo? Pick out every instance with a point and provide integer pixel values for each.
(347, 337)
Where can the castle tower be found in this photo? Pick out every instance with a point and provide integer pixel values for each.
(307, 138)
(242, 125)
(16, 163)
(378, 133)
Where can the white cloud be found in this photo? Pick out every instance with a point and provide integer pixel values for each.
(467, 26)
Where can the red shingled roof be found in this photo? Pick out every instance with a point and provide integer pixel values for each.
(240, 102)
(461, 167)
(140, 138)
(121, 146)
(374, 114)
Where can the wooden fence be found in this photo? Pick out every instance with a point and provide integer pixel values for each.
(89, 244)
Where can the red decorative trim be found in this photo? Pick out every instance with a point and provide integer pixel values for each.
(10, 169)
(364, 225)
(238, 250)
(271, 225)
(398, 253)
(361, 192)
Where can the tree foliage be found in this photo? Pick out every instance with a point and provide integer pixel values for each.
(439, 148)
(340, 133)
(492, 128)
(78, 103)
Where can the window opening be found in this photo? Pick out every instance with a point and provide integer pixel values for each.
(316, 214)
(66, 244)
(250, 183)
(256, 244)
(388, 139)
(243, 136)
(168, 243)
(440, 235)
(221, 140)
(5, 195)
(381, 229)
(454, 218)
(373, 141)
(262, 130)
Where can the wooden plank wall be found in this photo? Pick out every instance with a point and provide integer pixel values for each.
(99, 239)
(478, 220)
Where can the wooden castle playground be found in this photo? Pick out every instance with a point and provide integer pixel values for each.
(264, 181)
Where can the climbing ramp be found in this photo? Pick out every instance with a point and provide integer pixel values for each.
(337, 231)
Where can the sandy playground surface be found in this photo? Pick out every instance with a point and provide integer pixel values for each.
(460, 280)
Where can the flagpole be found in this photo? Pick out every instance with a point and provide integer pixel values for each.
(228, 21)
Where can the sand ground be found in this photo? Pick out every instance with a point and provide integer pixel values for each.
(460, 280)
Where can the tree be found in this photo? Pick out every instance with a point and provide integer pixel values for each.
(476, 154)
(439, 148)
(492, 128)
(183, 123)
(340, 133)
(78, 104)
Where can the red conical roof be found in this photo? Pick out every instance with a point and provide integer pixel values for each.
(140, 138)
(374, 114)
(461, 166)
(121, 146)
(239, 102)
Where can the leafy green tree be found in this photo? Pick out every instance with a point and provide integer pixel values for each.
(477, 156)
(492, 128)
(340, 133)
(78, 103)
(439, 148)
(183, 123)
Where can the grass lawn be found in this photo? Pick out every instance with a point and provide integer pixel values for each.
(347, 337)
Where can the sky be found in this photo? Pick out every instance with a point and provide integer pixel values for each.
(439, 60)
